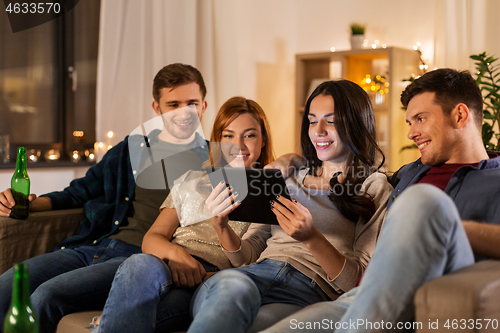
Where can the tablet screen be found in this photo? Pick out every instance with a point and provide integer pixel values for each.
(257, 187)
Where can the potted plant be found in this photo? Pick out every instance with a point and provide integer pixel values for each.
(357, 35)
(488, 79)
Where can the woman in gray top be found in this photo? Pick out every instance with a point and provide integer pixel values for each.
(323, 244)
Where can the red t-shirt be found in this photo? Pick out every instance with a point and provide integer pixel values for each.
(440, 175)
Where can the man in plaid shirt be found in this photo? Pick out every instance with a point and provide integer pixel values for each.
(121, 196)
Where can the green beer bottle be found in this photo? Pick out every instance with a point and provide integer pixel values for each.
(20, 187)
(20, 318)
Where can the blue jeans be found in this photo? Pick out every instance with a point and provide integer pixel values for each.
(69, 280)
(230, 300)
(143, 299)
(422, 239)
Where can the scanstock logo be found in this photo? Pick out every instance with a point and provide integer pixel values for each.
(26, 14)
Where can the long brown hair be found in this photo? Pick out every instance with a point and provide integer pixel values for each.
(355, 125)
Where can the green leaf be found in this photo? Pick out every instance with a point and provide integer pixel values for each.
(493, 93)
(488, 84)
(489, 107)
(487, 138)
(488, 80)
(488, 115)
(492, 89)
(487, 133)
(491, 60)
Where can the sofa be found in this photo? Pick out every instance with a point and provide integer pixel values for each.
(469, 295)
(40, 233)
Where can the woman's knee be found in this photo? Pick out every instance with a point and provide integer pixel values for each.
(136, 266)
(424, 195)
(228, 288)
(229, 284)
(422, 209)
(423, 200)
(232, 280)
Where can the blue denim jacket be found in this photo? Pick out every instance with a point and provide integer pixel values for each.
(475, 191)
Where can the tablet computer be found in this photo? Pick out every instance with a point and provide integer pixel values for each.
(256, 188)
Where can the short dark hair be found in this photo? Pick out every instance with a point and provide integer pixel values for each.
(175, 75)
(451, 88)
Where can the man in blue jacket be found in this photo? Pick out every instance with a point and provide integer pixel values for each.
(121, 196)
(444, 212)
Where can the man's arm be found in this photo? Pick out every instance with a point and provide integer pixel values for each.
(40, 204)
(157, 239)
(187, 272)
(484, 238)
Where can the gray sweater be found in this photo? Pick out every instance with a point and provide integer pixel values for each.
(356, 241)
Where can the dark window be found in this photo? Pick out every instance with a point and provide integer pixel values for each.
(48, 80)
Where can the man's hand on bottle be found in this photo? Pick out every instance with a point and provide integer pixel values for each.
(6, 202)
(36, 204)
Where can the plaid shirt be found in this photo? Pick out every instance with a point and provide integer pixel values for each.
(105, 193)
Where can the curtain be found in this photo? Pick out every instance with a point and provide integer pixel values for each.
(138, 38)
(465, 27)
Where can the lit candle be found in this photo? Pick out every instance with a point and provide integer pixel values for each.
(52, 155)
(109, 140)
(75, 156)
(99, 151)
(89, 154)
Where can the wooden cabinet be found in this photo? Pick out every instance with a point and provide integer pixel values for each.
(392, 63)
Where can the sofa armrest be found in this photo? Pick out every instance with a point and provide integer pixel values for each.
(38, 234)
(469, 293)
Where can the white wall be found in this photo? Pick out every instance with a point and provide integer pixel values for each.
(323, 24)
(259, 40)
(256, 42)
(47, 179)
